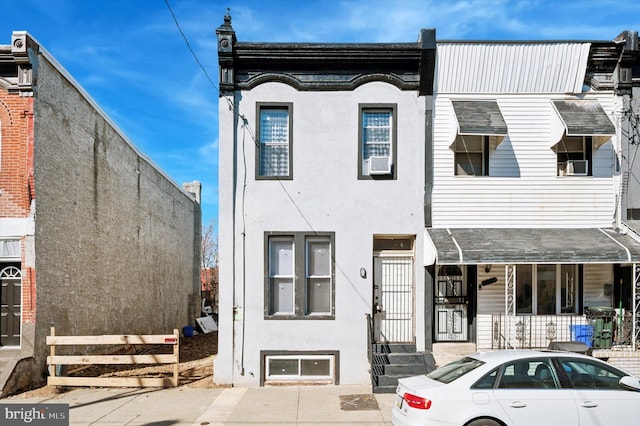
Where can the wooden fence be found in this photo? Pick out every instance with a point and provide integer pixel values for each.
(163, 339)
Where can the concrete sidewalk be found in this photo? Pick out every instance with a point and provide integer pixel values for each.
(286, 405)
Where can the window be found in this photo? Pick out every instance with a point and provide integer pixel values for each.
(528, 374)
(568, 289)
(273, 156)
(546, 289)
(299, 367)
(377, 148)
(455, 370)
(588, 374)
(471, 155)
(300, 276)
(281, 265)
(574, 156)
(321, 366)
(318, 285)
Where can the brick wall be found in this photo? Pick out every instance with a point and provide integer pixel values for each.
(16, 122)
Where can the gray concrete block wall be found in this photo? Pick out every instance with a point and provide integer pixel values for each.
(115, 240)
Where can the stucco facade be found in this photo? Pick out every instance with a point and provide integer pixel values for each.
(366, 220)
(112, 240)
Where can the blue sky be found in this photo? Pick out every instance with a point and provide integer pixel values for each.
(132, 60)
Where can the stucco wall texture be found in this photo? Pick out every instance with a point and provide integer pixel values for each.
(115, 239)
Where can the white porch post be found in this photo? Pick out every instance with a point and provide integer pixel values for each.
(635, 330)
(510, 298)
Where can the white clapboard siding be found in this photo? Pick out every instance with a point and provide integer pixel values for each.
(484, 331)
(523, 189)
(595, 277)
(491, 299)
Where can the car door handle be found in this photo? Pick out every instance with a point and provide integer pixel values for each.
(518, 404)
(589, 404)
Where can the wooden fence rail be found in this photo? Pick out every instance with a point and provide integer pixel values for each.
(162, 339)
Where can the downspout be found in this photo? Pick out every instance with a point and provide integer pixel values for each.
(426, 71)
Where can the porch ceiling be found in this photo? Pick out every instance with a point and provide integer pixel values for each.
(531, 245)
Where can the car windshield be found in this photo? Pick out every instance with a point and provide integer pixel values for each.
(455, 370)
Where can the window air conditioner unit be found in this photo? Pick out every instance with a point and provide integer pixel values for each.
(380, 165)
(576, 168)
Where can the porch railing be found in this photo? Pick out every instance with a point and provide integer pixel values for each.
(536, 331)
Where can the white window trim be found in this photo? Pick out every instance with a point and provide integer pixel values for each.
(309, 277)
(299, 376)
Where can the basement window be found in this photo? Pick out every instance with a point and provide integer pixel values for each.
(296, 367)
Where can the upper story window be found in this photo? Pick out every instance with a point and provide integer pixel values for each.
(273, 156)
(574, 156)
(377, 149)
(471, 155)
(481, 128)
(300, 276)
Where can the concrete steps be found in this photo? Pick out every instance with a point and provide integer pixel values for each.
(392, 361)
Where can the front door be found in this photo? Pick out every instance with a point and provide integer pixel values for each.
(10, 306)
(393, 298)
(451, 304)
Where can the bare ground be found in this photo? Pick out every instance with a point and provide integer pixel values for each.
(195, 368)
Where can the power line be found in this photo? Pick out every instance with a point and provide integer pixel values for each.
(245, 122)
(175, 19)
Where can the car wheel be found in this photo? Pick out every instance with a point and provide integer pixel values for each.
(483, 422)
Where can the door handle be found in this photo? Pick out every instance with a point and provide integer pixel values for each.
(589, 404)
(518, 404)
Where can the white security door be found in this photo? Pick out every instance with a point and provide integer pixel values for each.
(451, 323)
(393, 298)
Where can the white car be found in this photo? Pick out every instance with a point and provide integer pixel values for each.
(520, 388)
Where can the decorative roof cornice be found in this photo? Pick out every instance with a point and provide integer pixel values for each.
(324, 66)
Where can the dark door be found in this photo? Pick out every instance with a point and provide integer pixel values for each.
(10, 306)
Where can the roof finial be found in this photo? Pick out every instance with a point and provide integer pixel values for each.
(227, 17)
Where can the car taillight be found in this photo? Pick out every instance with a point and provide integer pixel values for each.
(418, 402)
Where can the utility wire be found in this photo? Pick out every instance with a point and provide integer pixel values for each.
(252, 135)
(175, 19)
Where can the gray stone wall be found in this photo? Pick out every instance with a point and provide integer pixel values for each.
(115, 240)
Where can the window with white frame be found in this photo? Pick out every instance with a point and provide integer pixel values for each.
(471, 155)
(546, 289)
(273, 159)
(281, 279)
(300, 271)
(574, 156)
(377, 141)
(318, 276)
(299, 367)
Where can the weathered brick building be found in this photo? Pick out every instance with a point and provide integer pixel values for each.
(114, 241)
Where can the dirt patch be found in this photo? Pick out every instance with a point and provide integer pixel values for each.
(195, 368)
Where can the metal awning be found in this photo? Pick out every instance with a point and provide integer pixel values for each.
(479, 118)
(529, 245)
(584, 118)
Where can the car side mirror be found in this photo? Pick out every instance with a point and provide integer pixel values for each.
(630, 382)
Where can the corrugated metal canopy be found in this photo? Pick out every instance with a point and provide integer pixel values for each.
(584, 118)
(479, 118)
(511, 67)
(498, 245)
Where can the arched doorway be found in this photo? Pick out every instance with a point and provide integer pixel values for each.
(10, 305)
